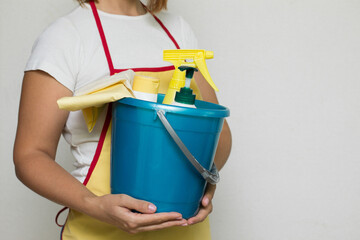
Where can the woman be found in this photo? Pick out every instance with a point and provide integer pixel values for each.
(95, 40)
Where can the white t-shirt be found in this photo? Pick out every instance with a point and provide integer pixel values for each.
(70, 50)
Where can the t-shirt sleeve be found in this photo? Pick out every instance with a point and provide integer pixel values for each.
(57, 52)
(189, 39)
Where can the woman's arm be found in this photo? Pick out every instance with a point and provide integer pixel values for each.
(40, 125)
(222, 151)
(224, 145)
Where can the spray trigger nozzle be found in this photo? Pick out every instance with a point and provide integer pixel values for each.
(189, 74)
(189, 70)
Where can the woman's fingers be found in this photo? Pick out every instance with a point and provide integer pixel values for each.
(135, 204)
(182, 222)
(202, 214)
(209, 194)
(206, 207)
(153, 219)
(145, 220)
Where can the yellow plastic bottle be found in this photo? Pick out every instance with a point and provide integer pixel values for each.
(146, 88)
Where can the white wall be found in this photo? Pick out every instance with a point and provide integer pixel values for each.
(288, 70)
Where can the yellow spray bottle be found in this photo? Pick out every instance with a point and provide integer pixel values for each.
(189, 57)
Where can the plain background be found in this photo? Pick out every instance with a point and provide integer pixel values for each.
(289, 70)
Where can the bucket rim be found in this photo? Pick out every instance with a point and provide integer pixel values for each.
(204, 109)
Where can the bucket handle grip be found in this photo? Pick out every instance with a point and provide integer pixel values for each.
(211, 176)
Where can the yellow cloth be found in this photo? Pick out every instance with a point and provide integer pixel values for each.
(105, 90)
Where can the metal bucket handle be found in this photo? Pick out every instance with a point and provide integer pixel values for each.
(211, 176)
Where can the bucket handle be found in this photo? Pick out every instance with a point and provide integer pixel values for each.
(211, 176)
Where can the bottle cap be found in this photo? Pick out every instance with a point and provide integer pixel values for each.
(185, 96)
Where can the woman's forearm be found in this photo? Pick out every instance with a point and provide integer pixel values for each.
(225, 141)
(40, 124)
(42, 174)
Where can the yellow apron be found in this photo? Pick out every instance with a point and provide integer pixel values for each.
(79, 226)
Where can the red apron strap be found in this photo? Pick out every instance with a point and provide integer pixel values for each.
(96, 156)
(58, 215)
(166, 30)
(163, 27)
(102, 36)
(100, 144)
(95, 159)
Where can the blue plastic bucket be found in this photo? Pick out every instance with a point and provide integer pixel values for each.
(146, 162)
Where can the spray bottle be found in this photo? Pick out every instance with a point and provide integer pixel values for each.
(180, 57)
(185, 97)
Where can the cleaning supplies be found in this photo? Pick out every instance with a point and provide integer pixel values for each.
(190, 57)
(154, 148)
(146, 88)
(185, 97)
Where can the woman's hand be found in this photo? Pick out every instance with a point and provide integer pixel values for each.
(206, 205)
(116, 209)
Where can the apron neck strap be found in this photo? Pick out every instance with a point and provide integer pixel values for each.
(103, 38)
(163, 27)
